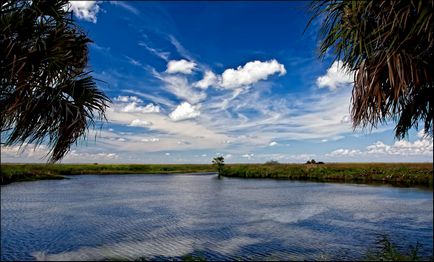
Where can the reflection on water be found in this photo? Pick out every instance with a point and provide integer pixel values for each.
(94, 217)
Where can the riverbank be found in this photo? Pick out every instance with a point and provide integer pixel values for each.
(403, 174)
(30, 172)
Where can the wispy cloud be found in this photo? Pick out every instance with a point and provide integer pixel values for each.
(180, 48)
(161, 54)
(181, 87)
(126, 6)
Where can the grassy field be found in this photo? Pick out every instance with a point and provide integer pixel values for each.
(405, 174)
(28, 172)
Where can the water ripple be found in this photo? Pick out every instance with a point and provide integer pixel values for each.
(169, 216)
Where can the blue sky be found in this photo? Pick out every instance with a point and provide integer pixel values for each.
(193, 80)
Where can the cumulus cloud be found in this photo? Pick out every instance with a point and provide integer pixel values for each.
(335, 77)
(27, 151)
(250, 73)
(273, 143)
(127, 99)
(130, 104)
(423, 146)
(37, 153)
(248, 156)
(344, 152)
(184, 111)
(91, 156)
(86, 10)
(180, 66)
(134, 108)
(150, 139)
(208, 79)
(140, 122)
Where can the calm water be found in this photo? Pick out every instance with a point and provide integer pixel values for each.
(95, 217)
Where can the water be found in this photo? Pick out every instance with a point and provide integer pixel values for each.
(93, 217)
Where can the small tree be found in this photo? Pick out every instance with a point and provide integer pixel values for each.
(218, 162)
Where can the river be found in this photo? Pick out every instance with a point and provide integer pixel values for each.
(97, 217)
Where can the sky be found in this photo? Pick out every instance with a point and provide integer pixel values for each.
(190, 81)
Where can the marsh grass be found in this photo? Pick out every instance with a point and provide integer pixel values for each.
(401, 174)
(404, 174)
(388, 251)
(29, 172)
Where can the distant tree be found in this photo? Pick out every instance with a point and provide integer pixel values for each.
(272, 162)
(219, 163)
(47, 96)
(311, 161)
(390, 47)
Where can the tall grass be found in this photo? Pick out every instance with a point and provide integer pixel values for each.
(406, 174)
(394, 173)
(24, 172)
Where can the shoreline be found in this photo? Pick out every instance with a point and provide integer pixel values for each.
(396, 174)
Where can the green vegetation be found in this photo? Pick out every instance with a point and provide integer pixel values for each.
(387, 251)
(218, 163)
(28, 172)
(406, 174)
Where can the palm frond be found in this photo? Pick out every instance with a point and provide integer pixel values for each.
(46, 96)
(389, 45)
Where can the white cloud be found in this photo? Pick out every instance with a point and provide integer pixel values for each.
(180, 87)
(130, 104)
(126, 6)
(250, 73)
(74, 154)
(161, 54)
(150, 139)
(167, 154)
(302, 157)
(139, 122)
(209, 79)
(344, 152)
(133, 107)
(86, 10)
(228, 156)
(423, 147)
(273, 143)
(184, 111)
(127, 99)
(180, 66)
(248, 156)
(133, 61)
(345, 119)
(335, 77)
